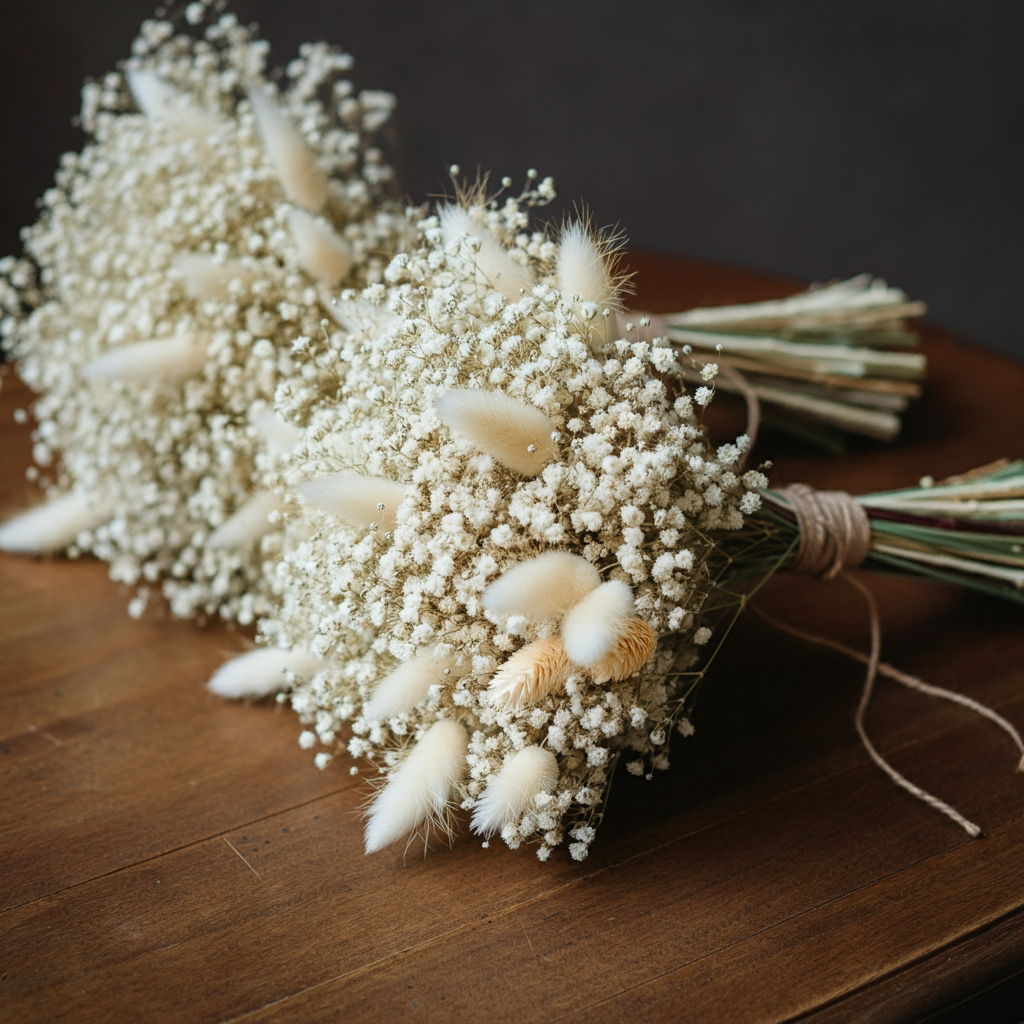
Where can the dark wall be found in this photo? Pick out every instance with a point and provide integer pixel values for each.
(808, 137)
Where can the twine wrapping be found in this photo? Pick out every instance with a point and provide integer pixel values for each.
(835, 535)
(835, 532)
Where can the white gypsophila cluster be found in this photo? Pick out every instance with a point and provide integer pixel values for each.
(211, 219)
(514, 511)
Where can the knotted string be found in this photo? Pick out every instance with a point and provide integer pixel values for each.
(835, 532)
(835, 535)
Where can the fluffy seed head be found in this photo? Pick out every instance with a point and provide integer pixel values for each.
(584, 273)
(512, 432)
(356, 498)
(164, 359)
(542, 588)
(322, 253)
(302, 179)
(494, 266)
(510, 792)
(633, 648)
(206, 278)
(279, 438)
(592, 629)
(161, 101)
(248, 524)
(54, 525)
(401, 690)
(421, 788)
(538, 669)
(261, 672)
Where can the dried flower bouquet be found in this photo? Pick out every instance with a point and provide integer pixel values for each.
(485, 532)
(210, 219)
(512, 541)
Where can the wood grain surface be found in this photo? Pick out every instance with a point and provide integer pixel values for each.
(169, 856)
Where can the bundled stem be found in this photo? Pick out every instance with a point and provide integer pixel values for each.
(967, 530)
(827, 361)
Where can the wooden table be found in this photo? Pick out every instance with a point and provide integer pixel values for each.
(168, 856)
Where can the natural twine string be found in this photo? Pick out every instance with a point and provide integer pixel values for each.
(835, 535)
(835, 532)
(876, 666)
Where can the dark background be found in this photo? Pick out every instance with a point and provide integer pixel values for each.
(807, 137)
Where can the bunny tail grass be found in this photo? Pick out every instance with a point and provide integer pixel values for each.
(248, 524)
(322, 253)
(515, 434)
(542, 588)
(422, 787)
(408, 685)
(535, 671)
(511, 792)
(260, 672)
(54, 525)
(592, 629)
(584, 275)
(164, 359)
(303, 180)
(359, 500)
(633, 648)
(494, 266)
(205, 277)
(161, 101)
